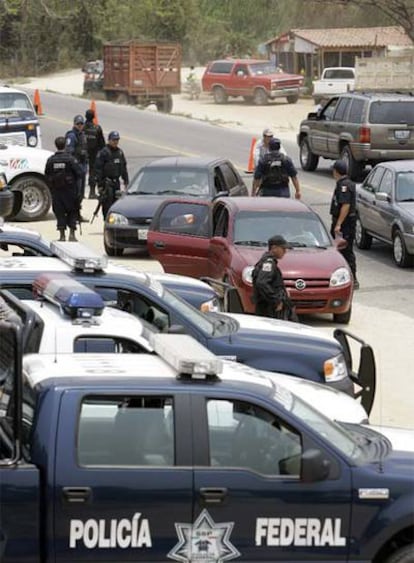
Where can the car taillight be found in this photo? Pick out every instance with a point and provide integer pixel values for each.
(364, 135)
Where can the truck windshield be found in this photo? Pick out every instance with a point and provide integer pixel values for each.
(339, 73)
(172, 180)
(15, 102)
(262, 68)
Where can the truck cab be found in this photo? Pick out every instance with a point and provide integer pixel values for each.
(19, 124)
(181, 456)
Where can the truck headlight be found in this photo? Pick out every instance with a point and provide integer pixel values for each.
(341, 276)
(247, 275)
(117, 219)
(335, 369)
(32, 141)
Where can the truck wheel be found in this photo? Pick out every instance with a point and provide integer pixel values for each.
(343, 318)
(308, 160)
(355, 168)
(219, 95)
(292, 99)
(403, 555)
(36, 198)
(362, 238)
(122, 99)
(400, 253)
(112, 251)
(165, 105)
(260, 97)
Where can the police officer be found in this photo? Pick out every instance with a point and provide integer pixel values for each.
(110, 165)
(269, 292)
(77, 147)
(272, 174)
(63, 173)
(95, 141)
(343, 213)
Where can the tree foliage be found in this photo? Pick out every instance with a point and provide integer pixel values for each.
(43, 35)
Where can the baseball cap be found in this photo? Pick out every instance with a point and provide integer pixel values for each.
(267, 132)
(114, 136)
(274, 144)
(341, 167)
(78, 119)
(278, 240)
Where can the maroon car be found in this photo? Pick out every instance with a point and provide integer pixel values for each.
(224, 239)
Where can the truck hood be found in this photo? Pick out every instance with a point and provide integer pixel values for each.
(402, 439)
(315, 262)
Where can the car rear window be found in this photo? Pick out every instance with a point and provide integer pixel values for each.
(392, 112)
(339, 73)
(221, 68)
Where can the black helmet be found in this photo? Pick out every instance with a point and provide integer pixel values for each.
(113, 136)
(89, 114)
(274, 144)
(78, 119)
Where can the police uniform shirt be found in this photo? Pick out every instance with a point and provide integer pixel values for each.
(288, 165)
(344, 193)
(268, 282)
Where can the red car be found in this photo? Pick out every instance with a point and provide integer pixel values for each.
(225, 238)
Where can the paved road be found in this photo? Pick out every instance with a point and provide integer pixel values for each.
(383, 307)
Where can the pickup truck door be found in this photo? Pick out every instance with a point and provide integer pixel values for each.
(241, 82)
(320, 128)
(248, 488)
(123, 475)
(179, 237)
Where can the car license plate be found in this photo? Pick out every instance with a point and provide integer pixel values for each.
(402, 134)
(142, 234)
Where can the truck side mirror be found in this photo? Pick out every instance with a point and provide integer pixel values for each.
(315, 467)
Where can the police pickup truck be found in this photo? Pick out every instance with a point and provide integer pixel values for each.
(261, 343)
(177, 457)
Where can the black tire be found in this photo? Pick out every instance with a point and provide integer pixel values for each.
(219, 95)
(403, 555)
(355, 168)
(399, 251)
(122, 99)
(260, 97)
(362, 239)
(292, 99)
(308, 160)
(36, 198)
(343, 318)
(165, 104)
(112, 251)
(6, 203)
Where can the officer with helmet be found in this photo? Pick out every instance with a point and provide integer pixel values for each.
(95, 141)
(76, 146)
(110, 166)
(273, 172)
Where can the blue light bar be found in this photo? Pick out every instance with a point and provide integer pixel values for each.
(73, 298)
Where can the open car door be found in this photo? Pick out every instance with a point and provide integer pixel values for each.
(179, 237)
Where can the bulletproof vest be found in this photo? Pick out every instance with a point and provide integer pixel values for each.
(80, 151)
(259, 265)
(91, 134)
(275, 173)
(113, 163)
(61, 174)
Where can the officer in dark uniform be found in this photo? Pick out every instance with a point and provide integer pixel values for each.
(63, 173)
(110, 166)
(272, 174)
(343, 213)
(77, 147)
(269, 292)
(95, 141)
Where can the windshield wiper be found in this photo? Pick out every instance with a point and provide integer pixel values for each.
(250, 242)
(176, 192)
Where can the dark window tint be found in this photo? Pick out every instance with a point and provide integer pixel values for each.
(229, 176)
(123, 431)
(220, 221)
(355, 113)
(335, 73)
(189, 219)
(108, 345)
(341, 109)
(392, 112)
(221, 68)
(329, 109)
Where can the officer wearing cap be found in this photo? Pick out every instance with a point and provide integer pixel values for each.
(269, 293)
(343, 213)
(77, 147)
(273, 172)
(110, 166)
(95, 141)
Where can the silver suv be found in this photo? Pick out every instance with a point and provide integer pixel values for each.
(360, 128)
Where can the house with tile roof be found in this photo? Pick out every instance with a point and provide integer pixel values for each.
(309, 51)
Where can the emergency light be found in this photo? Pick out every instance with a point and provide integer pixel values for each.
(73, 298)
(79, 256)
(187, 356)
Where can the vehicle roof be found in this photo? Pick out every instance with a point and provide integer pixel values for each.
(7, 89)
(399, 165)
(242, 61)
(387, 96)
(115, 370)
(11, 228)
(183, 162)
(265, 204)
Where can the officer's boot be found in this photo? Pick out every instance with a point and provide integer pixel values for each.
(72, 237)
(62, 237)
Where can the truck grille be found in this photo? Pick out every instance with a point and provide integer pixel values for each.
(13, 139)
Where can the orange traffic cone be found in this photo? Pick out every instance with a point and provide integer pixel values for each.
(250, 163)
(37, 103)
(93, 108)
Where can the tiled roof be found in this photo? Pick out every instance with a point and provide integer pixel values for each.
(352, 36)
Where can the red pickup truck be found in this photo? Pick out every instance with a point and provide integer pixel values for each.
(256, 80)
